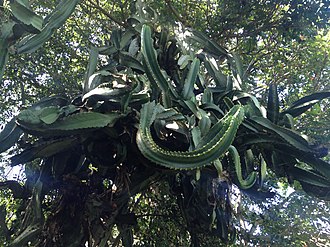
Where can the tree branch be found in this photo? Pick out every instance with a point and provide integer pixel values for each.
(103, 11)
(176, 13)
(3, 226)
(17, 190)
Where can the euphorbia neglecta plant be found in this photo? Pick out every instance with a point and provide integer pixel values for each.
(154, 112)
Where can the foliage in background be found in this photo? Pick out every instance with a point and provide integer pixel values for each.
(265, 51)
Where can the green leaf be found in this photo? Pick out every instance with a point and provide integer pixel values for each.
(204, 123)
(3, 56)
(9, 135)
(5, 32)
(139, 99)
(26, 15)
(170, 115)
(148, 114)
(310, 177)
(130, 62)
(320, 192)
(68, 110)
(28, 117)
(290, 152)
(116, 37)
(107, 50)
(85, 120)
(104, 94)
(287, 121)
(273, 106)
(305, 103)
(192, 106)
(253, 107)
(218, 166)
(163, 39)
(208, 45)
(188, 88)
(31, 116)
(91, 67)
(207, 97)
(134, 47)
(126, 39)
(49, 114)
(317, 164)
(291, 137)
(287, 152)
(27, 235)
(262, 171)
(239, 68)
(62, 11)
(58, 101)
(151, 62)
(183, 61)
(196, 135)
(73, 124)
(219, 78)
(212, 107)
(43, 150)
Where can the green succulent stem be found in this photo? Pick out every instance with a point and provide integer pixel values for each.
(219, 139)
(234, 159)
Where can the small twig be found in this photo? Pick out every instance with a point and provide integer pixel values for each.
(155, 215)
(23, 98)
(103, 11)
(117, 240)
(319, 73)
(176, 13)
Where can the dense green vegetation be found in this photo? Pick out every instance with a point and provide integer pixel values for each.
(164, 123)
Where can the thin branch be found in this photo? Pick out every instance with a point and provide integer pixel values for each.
(23, 95)
(155, 215)
(107, 14)
(176, 13)
(318, 73)
(17, 189)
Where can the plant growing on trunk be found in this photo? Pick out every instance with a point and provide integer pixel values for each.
(153, 112)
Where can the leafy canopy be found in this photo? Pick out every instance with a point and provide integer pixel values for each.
(150, 110)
